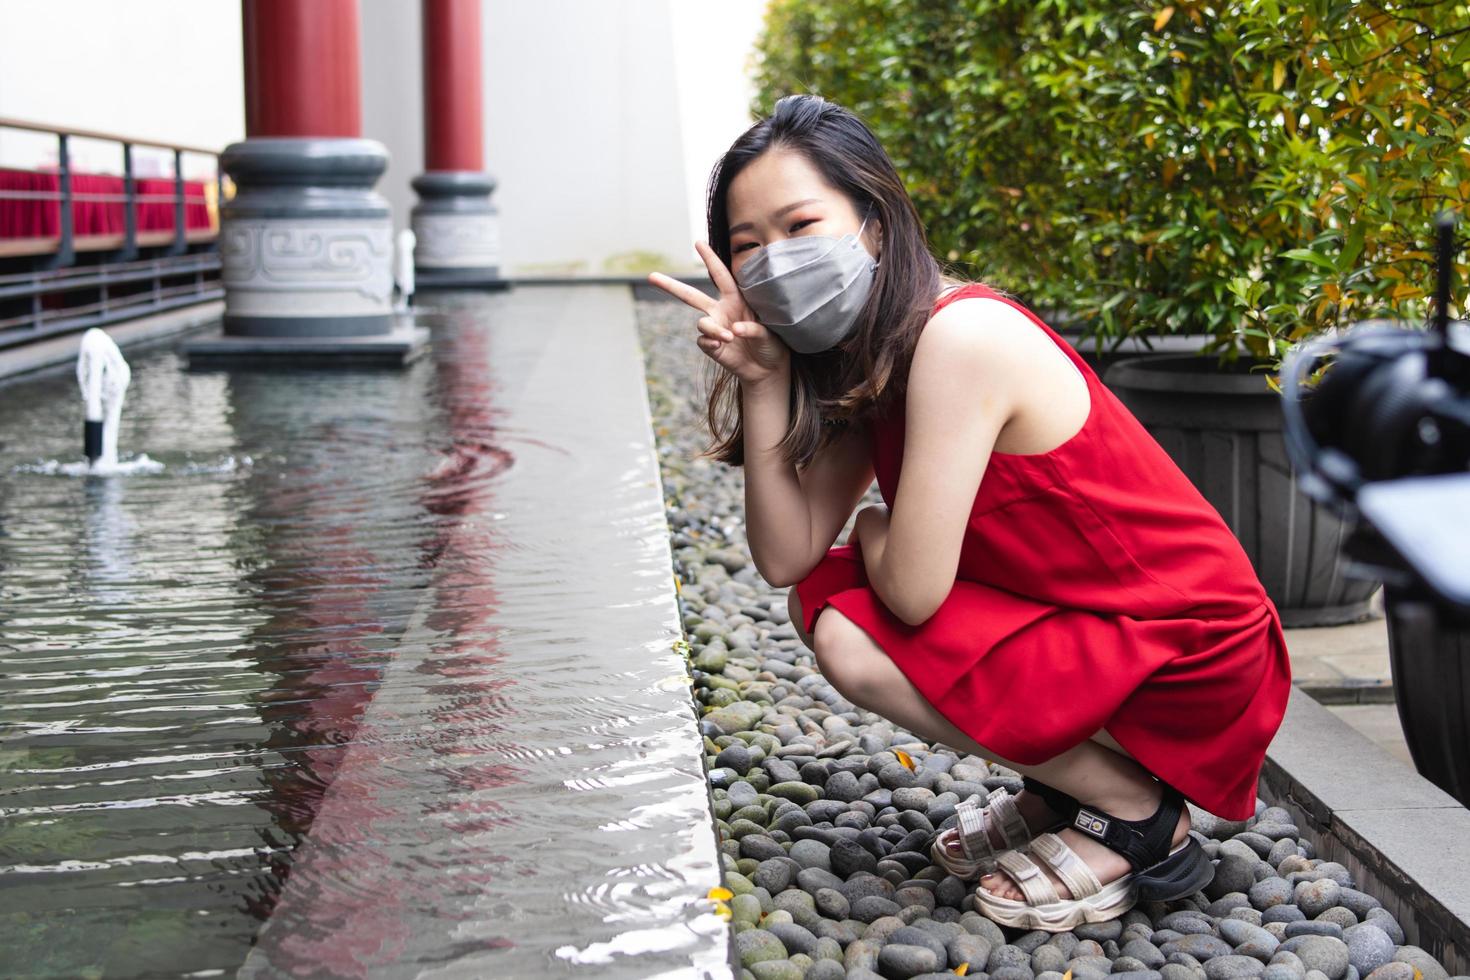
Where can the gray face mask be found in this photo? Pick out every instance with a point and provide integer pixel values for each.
(809, 290)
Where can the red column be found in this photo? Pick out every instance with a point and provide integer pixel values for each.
(453, 123)
(303, 74)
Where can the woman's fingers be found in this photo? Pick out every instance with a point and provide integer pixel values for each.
(710, 328)
(696, 298)
(718, 274)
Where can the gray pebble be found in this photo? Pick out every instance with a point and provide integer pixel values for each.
(898, 961)
(1233, 967)
(1283, 913)
(758, 945)
(1314, 928)
(1283, 971)
(825, 969)
(1369, 947)
(896, 775)
(1270, 892)
(1426, 964)
(1359, 903)
(873, 907)
(760, 847)
(1322, 953)
(1384, 920)
(812, 879)
(1202, 947)
(848, 857)
(1048, 958)
(911, 936)
(810, 854)
(1233, 873)
(1249, 940)
(1256, 842)
(843, 787)
(1007, 955)
(1012, 973)
(1341, 916)
(1393, 971)
(1145, 952)
(1225, 903)
(832, 904)
(796, 939)
(969, 949)
(1099, 931)
(1316, 897)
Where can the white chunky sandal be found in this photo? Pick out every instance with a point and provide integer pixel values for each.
(972, 832)
(1161, 872)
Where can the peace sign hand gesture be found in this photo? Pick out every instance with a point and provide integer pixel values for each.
(728, 331)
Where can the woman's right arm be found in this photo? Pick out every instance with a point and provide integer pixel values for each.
(793, 515)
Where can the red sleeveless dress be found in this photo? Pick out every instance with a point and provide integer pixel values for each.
(1097, 589)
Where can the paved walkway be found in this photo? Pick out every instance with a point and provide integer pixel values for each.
(1346, 669)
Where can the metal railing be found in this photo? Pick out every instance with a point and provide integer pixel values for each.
(67, 243)
(63, 282)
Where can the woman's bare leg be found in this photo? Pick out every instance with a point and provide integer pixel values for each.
(1101, 736)
(1093, 773)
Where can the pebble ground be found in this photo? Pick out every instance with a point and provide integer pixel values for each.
(822, 825)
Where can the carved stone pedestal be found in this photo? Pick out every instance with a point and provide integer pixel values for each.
(457, 231)
(306, 249)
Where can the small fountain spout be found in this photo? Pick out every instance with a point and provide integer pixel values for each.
(403, 273)
(103, 376)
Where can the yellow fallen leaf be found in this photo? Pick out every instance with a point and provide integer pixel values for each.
(721, 894)
(962, 969)
(904, 758)
(723, 911)
(1067, 975)
(1163, 18)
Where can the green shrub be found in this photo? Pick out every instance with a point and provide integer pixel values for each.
(1252, 171)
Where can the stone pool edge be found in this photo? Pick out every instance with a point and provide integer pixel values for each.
(1405, 840)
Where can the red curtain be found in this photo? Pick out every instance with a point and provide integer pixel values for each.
(97, 204)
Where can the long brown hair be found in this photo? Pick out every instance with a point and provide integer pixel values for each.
(861, 377)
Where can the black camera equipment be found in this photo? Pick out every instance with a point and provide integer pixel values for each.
(1384, 440)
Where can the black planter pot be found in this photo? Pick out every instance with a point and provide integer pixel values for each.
(1429, 656)
(1223, 429)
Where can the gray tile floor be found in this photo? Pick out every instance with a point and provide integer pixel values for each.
(1346, 669)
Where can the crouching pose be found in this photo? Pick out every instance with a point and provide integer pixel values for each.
(1042, 587)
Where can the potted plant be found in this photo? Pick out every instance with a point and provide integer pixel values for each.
(1249, 174)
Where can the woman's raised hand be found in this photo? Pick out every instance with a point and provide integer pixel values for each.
(728, 331)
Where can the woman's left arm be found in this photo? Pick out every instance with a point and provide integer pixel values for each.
(962, 389)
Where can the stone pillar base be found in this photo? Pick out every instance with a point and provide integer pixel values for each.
(306, 247)
(395, 349)
(456, 231)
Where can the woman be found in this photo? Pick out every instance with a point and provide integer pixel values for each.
(1043, 586)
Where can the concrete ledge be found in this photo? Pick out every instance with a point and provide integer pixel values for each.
(60, 353)
(278, 353)
(1405, 841)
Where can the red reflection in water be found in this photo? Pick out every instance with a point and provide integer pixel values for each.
(346, 912)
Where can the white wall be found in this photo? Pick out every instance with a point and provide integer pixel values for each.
(603, 117)
(168, 70)
(713, 45)
(393, 95)
(583, 132)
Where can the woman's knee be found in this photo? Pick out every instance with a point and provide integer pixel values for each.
(838, 645)
(793, 607)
